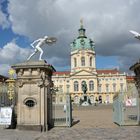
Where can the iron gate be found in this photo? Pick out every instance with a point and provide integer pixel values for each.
(62, 110)
(4, 96)
(8, 96)
(126, 108)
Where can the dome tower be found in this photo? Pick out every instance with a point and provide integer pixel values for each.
(82, 52)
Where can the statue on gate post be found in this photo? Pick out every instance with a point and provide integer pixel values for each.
(40, 42)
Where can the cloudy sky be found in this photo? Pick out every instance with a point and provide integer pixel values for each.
(107, 22)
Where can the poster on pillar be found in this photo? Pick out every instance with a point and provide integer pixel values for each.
(5, 115)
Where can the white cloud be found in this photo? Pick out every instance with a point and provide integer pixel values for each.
(4, 69)
(11, 53)
(3, 20)
(108, 22)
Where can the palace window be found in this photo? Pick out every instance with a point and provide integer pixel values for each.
(91, 85)
(106, 79)
(100, 88)
(114, 87)
(107, 87)
(61, 99)
(90, 61)
(82, 61)
(75, 62)
(121, 87)
(60, 88)
(76, 86)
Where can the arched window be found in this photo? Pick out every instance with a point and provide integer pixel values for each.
(91, 85)
(76, 86)
(75, 62)
(90, 61)
(82, 61)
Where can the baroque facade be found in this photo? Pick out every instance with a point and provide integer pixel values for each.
(102, 84)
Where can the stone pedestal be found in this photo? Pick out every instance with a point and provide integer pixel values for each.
(34, 102)
(85, 99)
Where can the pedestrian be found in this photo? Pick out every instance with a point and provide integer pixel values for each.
(96, 101)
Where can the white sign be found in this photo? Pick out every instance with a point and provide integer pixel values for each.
(134, 101)
(128, 102)
(5, 115)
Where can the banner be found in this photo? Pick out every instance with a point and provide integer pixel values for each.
(5, 115)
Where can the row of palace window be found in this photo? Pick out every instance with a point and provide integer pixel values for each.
(83, 61)
(91, 87)
(107, 79)
(76, 85)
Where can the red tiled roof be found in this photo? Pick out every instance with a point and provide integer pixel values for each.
(107, 71)
(61, 73)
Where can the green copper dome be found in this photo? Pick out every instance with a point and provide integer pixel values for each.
(82, 42)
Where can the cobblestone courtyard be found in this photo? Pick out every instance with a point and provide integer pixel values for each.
(92, 123)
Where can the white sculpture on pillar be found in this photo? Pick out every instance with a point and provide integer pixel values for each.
(40, 42)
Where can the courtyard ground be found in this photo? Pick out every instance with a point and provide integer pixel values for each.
(91, 123)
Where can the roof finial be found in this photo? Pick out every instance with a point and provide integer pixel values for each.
(81, 21)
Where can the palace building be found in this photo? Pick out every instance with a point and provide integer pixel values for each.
(102, 84)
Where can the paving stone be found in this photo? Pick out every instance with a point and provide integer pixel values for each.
(90, 127)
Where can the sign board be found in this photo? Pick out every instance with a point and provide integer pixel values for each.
(5, 115)
(134, 101)
(128, 102)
